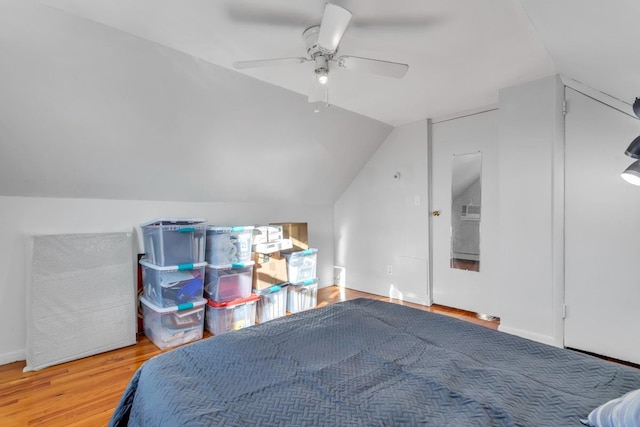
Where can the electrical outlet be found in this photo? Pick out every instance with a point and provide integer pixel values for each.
(389, 270)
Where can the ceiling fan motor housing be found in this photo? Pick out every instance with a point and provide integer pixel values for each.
(310, 38)
(316, 53)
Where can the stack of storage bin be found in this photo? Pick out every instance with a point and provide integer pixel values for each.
(301, 262)
(173, 280)
(228, 277)
(270, 275)
(303, 283)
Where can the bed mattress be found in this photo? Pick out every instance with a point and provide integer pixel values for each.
(369, 363)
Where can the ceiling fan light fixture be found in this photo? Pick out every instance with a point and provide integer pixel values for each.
(323, 76)
(322, 43)
(322, 69)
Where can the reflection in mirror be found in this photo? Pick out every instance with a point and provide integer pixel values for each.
(465, 211)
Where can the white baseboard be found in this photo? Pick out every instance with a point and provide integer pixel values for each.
(545, 339)
(13, 356)
(416, 299)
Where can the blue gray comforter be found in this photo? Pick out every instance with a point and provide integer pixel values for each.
(369, 363)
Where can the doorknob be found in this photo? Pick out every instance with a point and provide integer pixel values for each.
(436, 213)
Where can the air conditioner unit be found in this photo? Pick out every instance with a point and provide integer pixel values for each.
(470, 212)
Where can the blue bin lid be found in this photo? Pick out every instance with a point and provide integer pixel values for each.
(174, 221)
(179, 267)
(235, 265)
(230, 228)
(306, 282)
(266, 291)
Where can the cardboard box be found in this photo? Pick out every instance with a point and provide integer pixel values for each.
(269, 270)
(266, 234)
(297, 232)
(271, 247)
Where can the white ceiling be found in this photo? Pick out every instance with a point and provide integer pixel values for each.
(137, 99)
(460, 52)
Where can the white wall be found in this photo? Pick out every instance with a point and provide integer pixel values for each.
(528, 294)
(378, 224)
(22, 217)
(602, 287)
(531, 185)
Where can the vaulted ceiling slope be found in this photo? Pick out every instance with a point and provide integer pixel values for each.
(460, 52)
(592, 41)
(138, 99)
(88, 111)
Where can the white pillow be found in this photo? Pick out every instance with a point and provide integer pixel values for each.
(623, 411)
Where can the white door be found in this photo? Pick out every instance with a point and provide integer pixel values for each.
(453, 143)
(602, 231)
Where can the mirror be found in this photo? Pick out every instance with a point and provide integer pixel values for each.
(465, 211)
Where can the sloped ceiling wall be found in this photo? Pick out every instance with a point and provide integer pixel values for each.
(144, 112)
(91, 112)
(591, 41)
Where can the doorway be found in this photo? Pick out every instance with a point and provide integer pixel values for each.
(464, 229)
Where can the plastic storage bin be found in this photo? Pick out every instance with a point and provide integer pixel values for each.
(228, 245)
(301, 265)
(172, 285)
(171, 326)
(223, 317)
(229, 282)
(174, 241)
(272, 304)
(302, 296)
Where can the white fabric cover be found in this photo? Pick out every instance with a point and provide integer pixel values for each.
(82, 298)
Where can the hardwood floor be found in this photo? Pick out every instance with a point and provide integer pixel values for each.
(333, 294)
(85, 392)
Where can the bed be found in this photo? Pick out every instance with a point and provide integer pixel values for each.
(369, 363)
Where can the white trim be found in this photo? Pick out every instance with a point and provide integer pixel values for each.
(429, 210)
(599, 96)
(528, 335)
(416, 300)
(13, 356)
(465, 113)
(557, 212)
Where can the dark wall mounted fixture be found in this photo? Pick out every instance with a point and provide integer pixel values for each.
(632, 173)
(636, 107)
(633, 150)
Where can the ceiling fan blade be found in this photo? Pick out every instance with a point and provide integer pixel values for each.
(332, 27)
(240, 65)
(373, 66)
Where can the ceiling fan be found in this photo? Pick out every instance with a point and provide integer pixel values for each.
(321, 43)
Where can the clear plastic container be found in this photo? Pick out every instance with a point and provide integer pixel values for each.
(223, 317)
(272, 304)
(172, 285)
(302, 296)
(174, 241)
(301, 265)
(228, 245)
(171, 326)
(229, 282)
